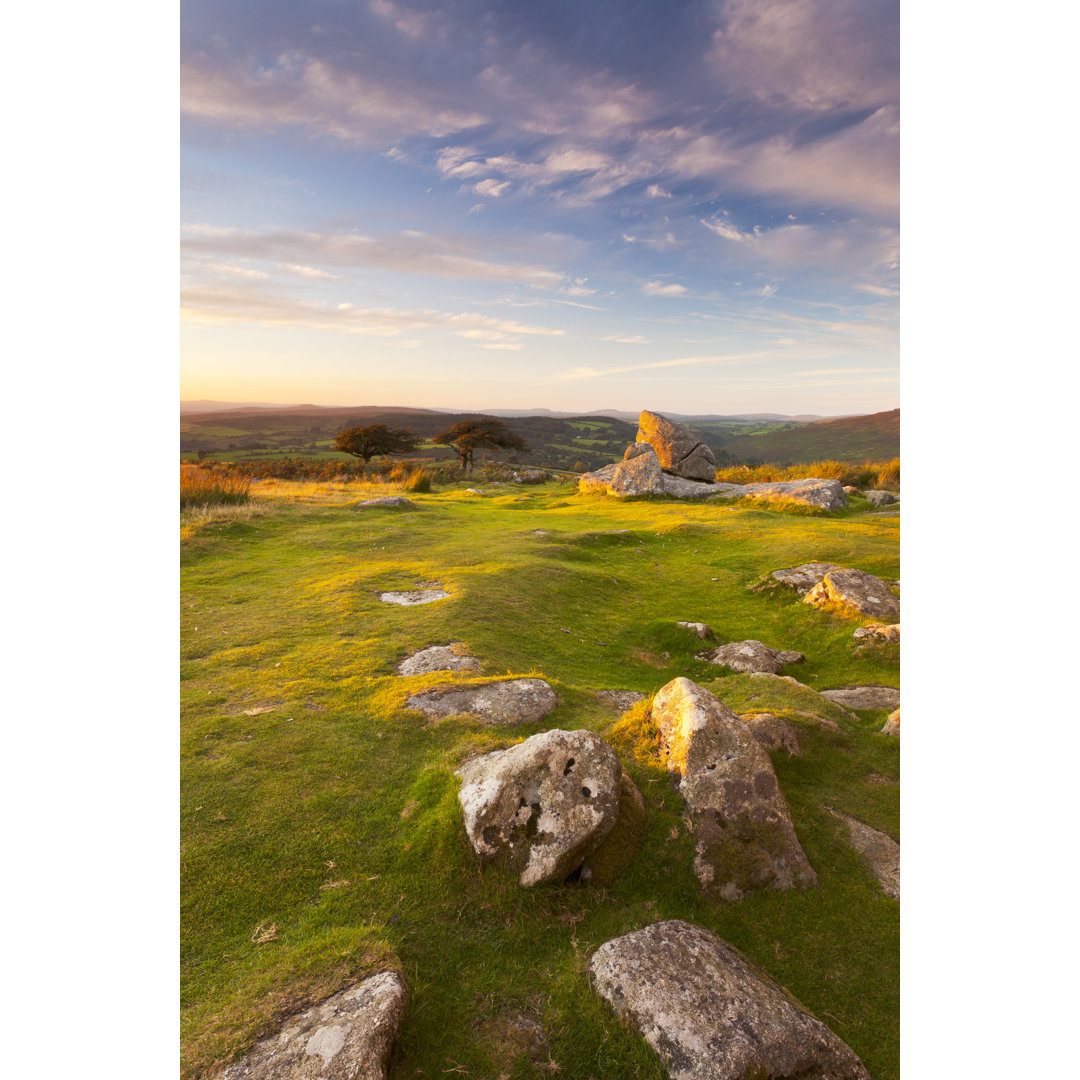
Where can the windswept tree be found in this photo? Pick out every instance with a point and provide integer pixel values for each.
(373, 440)
(468, 436)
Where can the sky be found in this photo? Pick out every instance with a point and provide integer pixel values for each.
(690, 206)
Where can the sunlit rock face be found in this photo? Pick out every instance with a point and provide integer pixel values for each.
(710, 1013)
(744, 836)
(679, 450)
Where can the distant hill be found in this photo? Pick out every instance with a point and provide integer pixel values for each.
(204, 406)
(854, 438)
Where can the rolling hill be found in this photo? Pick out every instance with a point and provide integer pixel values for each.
(854, 438)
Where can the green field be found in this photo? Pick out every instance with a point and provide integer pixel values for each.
(321, 835)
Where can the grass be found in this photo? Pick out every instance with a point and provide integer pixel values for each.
(316, 804)
(868, 474)
(212, 487)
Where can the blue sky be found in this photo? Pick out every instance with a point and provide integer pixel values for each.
(684, 206)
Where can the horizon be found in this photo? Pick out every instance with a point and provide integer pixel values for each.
(557, 208)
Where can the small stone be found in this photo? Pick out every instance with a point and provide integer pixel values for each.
(857, 592)
(699, 629)
(412, 597)
(390, 501)
(881, 498)
(751, 656)
(438, 658)
(877, 633)
(864, 697)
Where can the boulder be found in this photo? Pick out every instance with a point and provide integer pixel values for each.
(826, 494)
(864, 697)
(543, 806)
(679, 449)
(892, 725)
(772, 731)
(411, 597)
(530, 476)
(745, 839)
(803, 578)
(508, 701)
(621, 699)
(438, 658)
(856, 591)
(710, 1013)
(637, 475)
(596, 483)
(881, 498)
(879, 849)
(347, 1037)
(390, 501)
(699, 629)
(678, 487)
(877, 633)
(751, 656)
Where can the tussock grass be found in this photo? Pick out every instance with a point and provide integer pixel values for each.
(865, 475)
(212, 486)
(332, 779)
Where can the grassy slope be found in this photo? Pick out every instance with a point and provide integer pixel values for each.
(855, 438)
(338, 782)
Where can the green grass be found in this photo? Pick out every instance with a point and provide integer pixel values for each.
(280, 619)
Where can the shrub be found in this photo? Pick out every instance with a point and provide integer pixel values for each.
(212, 487)
(889, 476)
(418, 482)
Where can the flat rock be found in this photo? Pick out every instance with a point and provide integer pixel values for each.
(857, 591)
(803, 578)
(438, 658)
(826, 494)
(751, 656)
(621, 699)
(879, 849)
(680, 450)
(700, 629)
(772, 731)
(386, 500)
(892, 725)
(543, 806)
(508, 701)
(413, 596)
(877, 633)
(710, 1013)
(745, 839)
(881, 498)
(679, 487)
(347, 1037)
(864, 697)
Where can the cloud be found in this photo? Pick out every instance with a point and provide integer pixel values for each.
(237, 271)
(628, 339)
(309, 272)
(657, 192)
(407, 252)
(659, 288)
(766, 291)
(719, 361)
(514, 345)
(491, 187)
(878, 290)
(846, 371)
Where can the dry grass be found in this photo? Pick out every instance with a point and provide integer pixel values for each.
(866, 475)
(212, 487)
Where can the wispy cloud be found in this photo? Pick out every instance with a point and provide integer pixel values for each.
(687, 361)
(628, 339)
(311, 272)
(660, 288)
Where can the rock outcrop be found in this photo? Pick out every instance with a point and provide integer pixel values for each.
(877, 633)
(772, 731)
(438, 658)
(347, 1037)
(892, 725)
(638, 473)
(864, 697)
(803, 578)
(745, 839)
(710, 1013)
(857, 593)
(540, 808)
(880, 850)
(751, 656)
(508, 701)
(826, 494)
(679, 449)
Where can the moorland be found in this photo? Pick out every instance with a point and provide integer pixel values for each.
(322, 837)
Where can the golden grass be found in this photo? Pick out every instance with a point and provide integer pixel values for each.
(212, 487)
(866, 475)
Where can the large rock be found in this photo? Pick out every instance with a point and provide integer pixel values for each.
(745, 839)
(751, 656)
(638, 473)
(438, 658)
(881, 498)
(864, 697)
(857, 592)
(679, 449)
(347, 1037)
(892, 725)
(509, 701)
(880, 850)
(542, 807)
(803, 578)
(710, 1013)
(826, 494)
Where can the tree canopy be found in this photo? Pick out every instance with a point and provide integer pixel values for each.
(468, 436)
(372, 440)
